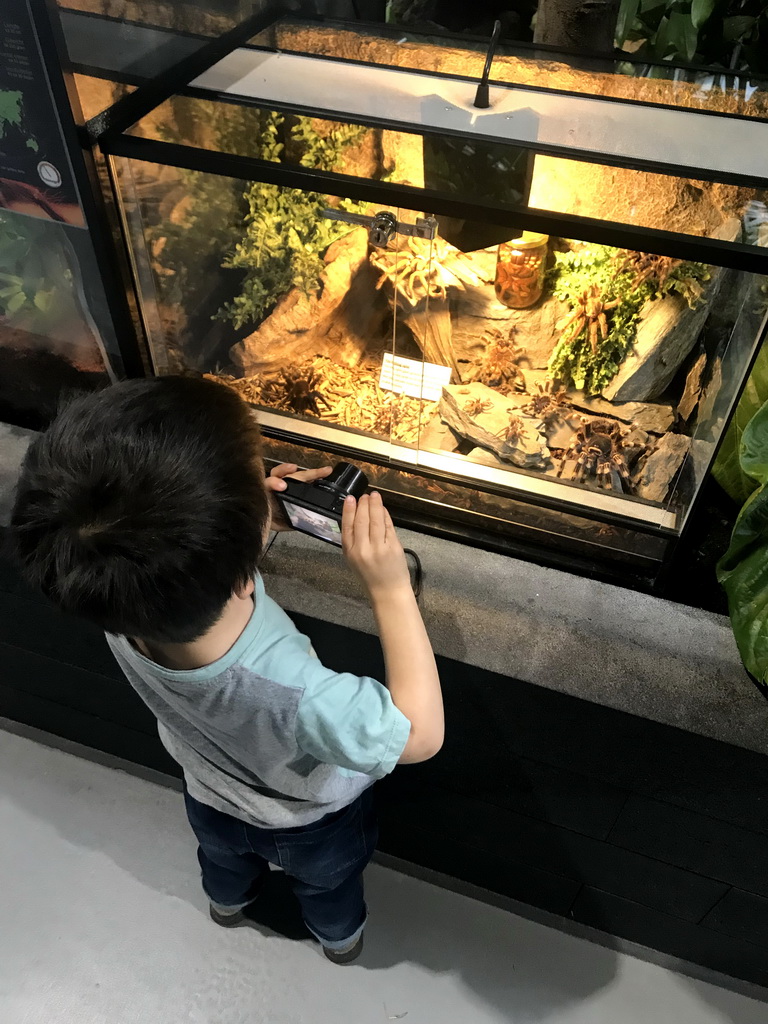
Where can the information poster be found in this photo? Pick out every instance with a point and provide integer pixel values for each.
(36, 175)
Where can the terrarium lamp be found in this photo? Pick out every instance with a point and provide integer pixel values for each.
(520, 268)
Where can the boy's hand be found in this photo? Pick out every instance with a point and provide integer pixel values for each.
(372, 547)
(276, 482)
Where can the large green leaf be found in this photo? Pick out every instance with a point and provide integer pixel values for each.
(743, 570)
(737, 27)
(627, 14)
(728, 469)
(682, 35)
(701, 11)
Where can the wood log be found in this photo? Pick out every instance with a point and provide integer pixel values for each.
(341, 320)
(655, 418)
(657, 472)
(430, 325)
(577, 24)
(477, 311)
(707, 423)
(667, 332)
(488, 428)
(692, 389)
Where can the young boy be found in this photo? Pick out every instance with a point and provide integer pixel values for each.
(145, 510)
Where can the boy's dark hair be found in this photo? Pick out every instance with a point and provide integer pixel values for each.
(143, 507)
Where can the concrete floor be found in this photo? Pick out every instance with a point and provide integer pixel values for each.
(103, 922)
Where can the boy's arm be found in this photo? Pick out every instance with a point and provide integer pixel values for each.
(374, 551)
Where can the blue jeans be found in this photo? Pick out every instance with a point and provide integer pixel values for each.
(324, 861)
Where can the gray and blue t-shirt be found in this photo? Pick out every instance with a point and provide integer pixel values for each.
(266, 733)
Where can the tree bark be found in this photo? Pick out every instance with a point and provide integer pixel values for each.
(588, 25)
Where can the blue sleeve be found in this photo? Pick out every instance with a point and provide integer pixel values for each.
(350, 721)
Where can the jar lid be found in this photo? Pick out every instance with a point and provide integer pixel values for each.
(528, 240)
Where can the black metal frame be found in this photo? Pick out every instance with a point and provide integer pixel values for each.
(552, 503)
(53, 47)
(110, 128)
(131, 108)
(467, 527)
(735, 255)
(521, 86)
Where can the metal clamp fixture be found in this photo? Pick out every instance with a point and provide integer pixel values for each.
(383, 226)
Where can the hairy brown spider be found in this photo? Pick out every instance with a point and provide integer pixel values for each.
(498, 367)
(589, 312)
(514, 430)
(598, 448)
(646, 266)
(475, 406)
(300, 391)
(548, 401)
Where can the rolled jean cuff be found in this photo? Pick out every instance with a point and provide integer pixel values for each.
(342, 943)
(229, 909)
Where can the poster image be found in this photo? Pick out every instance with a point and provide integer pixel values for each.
(36, 175)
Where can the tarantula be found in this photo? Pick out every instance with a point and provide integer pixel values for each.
(300, 391)
(589, 312)
(498, 367)
(646, 266)
(598, 448)
(475, 406)
(548, 402)
(514, 430)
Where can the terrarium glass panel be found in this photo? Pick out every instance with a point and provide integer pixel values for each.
(573, 373)
(625, 78)
(475, 169)
(577, 365)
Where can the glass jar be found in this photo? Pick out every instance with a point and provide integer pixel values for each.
(520, 268)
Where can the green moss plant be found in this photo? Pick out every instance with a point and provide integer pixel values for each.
(574, 272)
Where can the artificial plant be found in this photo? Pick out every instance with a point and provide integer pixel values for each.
(743, 570)
(285, 232)
(275, 237)
(573, 360)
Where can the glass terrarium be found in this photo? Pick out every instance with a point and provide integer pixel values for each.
(529, 322)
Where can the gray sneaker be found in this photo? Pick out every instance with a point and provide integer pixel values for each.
(227, 918)
(346, 955)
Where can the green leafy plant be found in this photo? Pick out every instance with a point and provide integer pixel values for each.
(573, 360)
(35, 277)
(285, 233)
(719, 33)
(743, 570)
(727, 469)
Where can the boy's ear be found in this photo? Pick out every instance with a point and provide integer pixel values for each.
(245, 591)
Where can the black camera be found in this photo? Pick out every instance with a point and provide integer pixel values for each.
(316, 508)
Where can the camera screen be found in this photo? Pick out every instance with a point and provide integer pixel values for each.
(315, 523)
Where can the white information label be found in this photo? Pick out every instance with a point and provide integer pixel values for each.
(413, 378)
